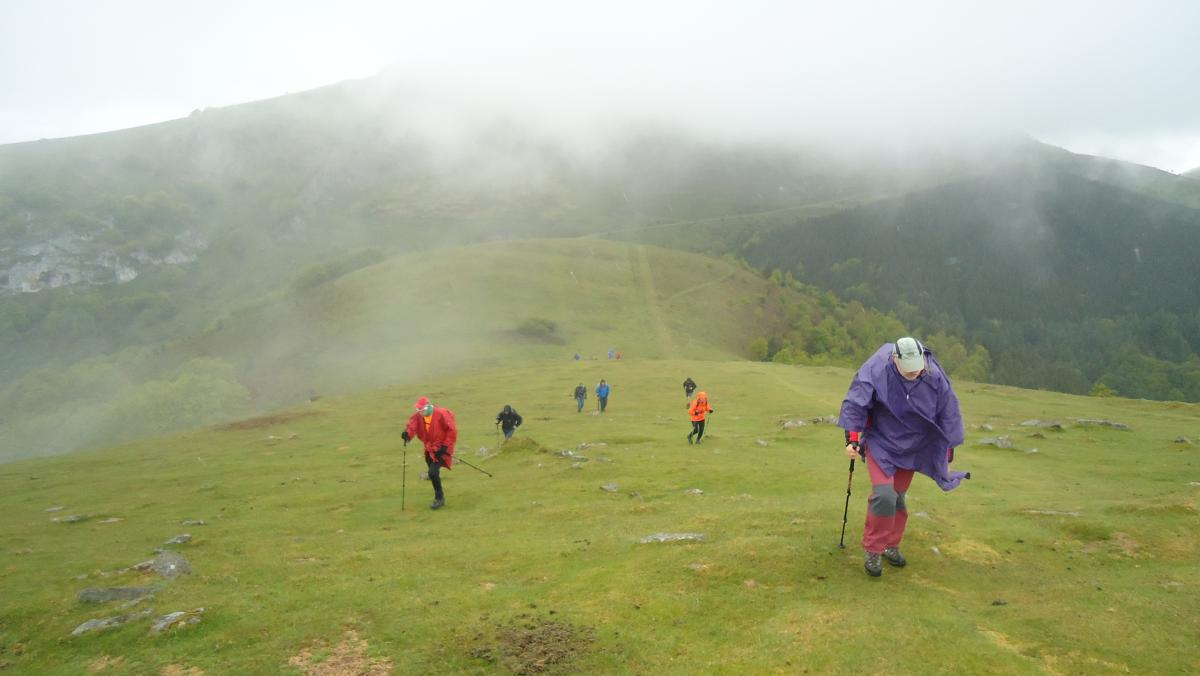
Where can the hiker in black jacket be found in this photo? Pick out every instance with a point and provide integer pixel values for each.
(689, 386)
(580, 397)
(508, 420)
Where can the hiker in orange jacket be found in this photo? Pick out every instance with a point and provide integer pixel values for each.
(698, 410)
(436, 428)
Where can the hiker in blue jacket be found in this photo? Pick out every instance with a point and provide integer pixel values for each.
(602, 394)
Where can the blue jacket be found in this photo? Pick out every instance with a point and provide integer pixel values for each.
(602, 390)
(905, 425)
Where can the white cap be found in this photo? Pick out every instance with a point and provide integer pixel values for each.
(910, 354)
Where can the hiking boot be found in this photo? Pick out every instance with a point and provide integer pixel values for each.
(439, 503)
(894, 557)
(689, 440)
(873, 564)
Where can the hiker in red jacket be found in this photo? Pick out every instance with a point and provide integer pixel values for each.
(698, 411)
(435, 427)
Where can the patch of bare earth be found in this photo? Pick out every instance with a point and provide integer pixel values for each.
(530, 645)
(104, 662)
(267, 420)
(179, 670)
(348, 658)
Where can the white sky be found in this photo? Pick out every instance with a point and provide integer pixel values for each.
(1120, 79)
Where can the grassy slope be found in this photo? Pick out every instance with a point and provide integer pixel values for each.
(404, 318)
(306, 539)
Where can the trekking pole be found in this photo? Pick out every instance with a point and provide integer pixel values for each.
(403, 475)
(846, 511)
(497, 435)
(474, 467)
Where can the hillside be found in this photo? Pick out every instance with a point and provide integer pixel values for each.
(342, 329)
(1072, 552)
(1067, 281)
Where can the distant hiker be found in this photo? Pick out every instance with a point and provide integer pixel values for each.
(576, 356)
(580, 396)
(698, 411)
(901, 416)
(618, 355)
(610, 353)
(436, 428)
(602, 394)
(689, 386)
(508, 420)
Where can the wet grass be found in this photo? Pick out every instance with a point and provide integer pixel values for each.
(306, 544)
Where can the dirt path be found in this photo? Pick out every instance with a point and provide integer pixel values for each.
(645, 282)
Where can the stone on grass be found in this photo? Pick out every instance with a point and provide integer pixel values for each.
(791, 424)
(179, 539)
(1091, 422)
(1051, 512)
(610, 488)
(74, 518)
(824, 419)
(985, 428)
(56, 508)
(673, 537)
(106, 594)
(998, 442)
(694, 491)
(107, 622)
(166, 564)
(176, 620)
(1182, 440)
(193, 522)
(762, 442)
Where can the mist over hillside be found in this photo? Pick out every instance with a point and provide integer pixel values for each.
(129, 260)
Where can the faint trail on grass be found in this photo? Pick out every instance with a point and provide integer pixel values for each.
(697, 287)
(645, 283)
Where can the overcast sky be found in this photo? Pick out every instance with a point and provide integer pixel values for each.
(1120, 79)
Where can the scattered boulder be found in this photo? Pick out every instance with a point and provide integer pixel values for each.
(1051, 512)
(694, 491)
(179, 539)
(577, 465)
(56, 508)
(106, 594)
(193, 522)
(483, 450)
(985, 428)
(166, 564)
(1183, 440)
(176, 620)
(673, 537)
(824, 419)
(108, 622)
(999, 602)
(1048, 424)
(74, 518)
(1091, 422)
(998, 442)
(610, 488)
(790, 424)
(762, 442)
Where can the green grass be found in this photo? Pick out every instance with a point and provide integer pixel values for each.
(305, 538)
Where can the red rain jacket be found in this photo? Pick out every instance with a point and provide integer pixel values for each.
(699, 407)
(442, 432)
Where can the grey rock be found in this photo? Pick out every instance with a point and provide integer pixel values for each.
(762, 442)
(1091, 422)
(791, 424)
(610, 488)
(824, 419)
(56, 508)
(998, 442)
(694, 491)
(74, 518)
(985, 428)
(179, 539)
(577, 465)
(999, 602)
(1051, 512)
(673, 537)
(483, 450)
(1048, 424)
(108, 622)
(177, 620)
(166, 564)
(1182, 440)
(106, 594)
(193, 522)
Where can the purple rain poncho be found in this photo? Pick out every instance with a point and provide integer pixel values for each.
(906, 425)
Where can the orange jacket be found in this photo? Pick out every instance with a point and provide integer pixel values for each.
(699, 407)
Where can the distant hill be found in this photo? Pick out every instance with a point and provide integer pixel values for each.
(441, 312)
(1192, 173)
(1067, 280)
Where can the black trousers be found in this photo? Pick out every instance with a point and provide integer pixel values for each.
(697, 429)
(435, 477)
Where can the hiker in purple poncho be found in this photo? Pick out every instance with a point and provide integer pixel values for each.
(901, 416)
